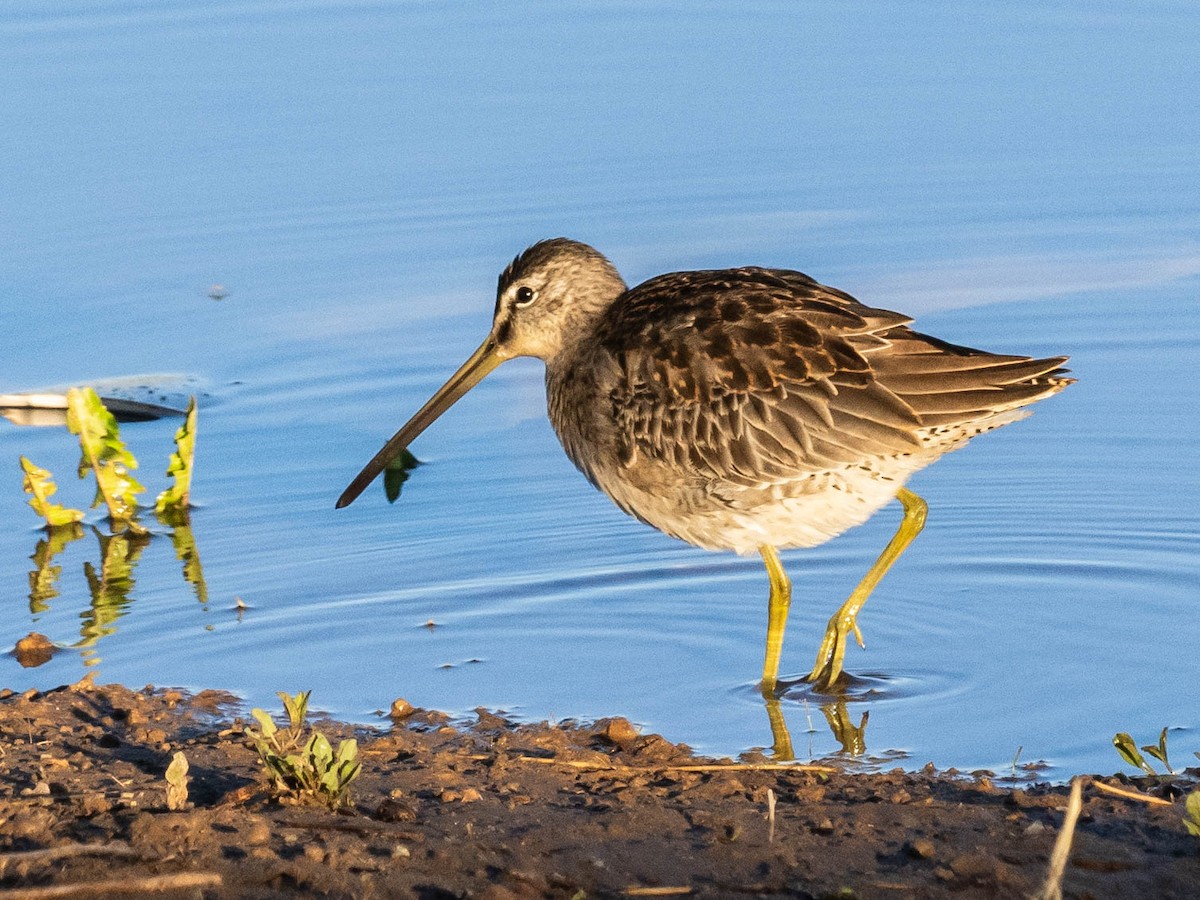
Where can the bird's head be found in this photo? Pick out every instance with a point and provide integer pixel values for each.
(548, 298)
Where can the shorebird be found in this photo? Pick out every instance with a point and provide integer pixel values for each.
(743, 409)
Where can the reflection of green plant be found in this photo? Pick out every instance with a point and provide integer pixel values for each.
(1128, 751)
(43, 580)
(106, 456)
(40, 483)
(304, 770)
(110, 586)
(184, 543)
(173, 502)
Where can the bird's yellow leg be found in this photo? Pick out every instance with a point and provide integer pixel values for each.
(828, 667)
(777, 613)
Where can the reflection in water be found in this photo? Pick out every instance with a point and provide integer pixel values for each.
(43, 580)
(130, 398)
(111, 584)
(184, 543)
(851, 737)
(781, 738)
(109, 587)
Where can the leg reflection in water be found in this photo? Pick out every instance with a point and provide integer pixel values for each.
(851, 737)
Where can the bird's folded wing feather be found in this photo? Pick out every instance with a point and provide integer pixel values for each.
(753, 375)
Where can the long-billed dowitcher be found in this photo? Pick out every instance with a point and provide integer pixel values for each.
(740, 409)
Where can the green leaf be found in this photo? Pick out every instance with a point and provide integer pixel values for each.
(40, 483)
(330, 784)
(347, 751)
(265, 722)
(106, 456)
(174, 500)
(1192, 820)
(296, 707)
(1160, 752)
(1129, 752)
(319, 751)
(396, 473)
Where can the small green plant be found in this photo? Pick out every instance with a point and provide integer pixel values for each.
(106, 456)
(40, 483)
(173, 502)
(1191, 821)
(303, 769)
(1128, 751)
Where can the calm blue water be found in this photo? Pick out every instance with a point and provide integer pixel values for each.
(355, 175)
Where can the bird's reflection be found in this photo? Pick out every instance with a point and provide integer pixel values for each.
(834, 707)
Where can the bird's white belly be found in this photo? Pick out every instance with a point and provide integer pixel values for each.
(803, 513)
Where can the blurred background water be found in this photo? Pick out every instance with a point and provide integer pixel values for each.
(350, 177)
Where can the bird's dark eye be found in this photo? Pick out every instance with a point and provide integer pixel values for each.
(524, 295)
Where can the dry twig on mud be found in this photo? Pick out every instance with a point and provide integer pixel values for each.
(53, 854)
(1130, 795)
(1052, 889)
(151, 884)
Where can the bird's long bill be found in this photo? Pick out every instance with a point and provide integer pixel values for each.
(468, 375)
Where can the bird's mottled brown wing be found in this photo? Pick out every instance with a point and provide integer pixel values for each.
(751, 375)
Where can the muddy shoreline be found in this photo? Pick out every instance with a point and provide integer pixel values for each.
(498, 810)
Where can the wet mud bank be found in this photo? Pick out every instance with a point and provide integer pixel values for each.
(494, 809)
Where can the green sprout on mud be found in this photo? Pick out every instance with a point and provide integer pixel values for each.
(1191, 821)
(1128, 751)
(300, 769)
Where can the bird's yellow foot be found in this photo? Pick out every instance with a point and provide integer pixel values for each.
(828, 667)
(827, 670)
